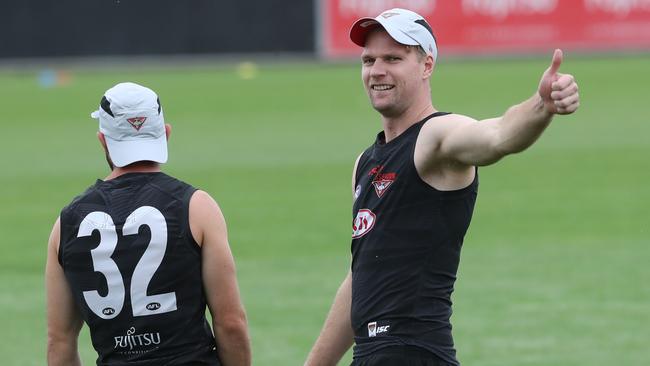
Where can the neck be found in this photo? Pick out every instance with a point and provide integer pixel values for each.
(395, 125)
(139, 167)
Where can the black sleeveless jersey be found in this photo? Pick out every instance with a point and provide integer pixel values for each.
(135, 271)
(406, 245)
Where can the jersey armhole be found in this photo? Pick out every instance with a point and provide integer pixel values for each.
(358, 162)
(59, 250)
(187, 197)
(63, 233)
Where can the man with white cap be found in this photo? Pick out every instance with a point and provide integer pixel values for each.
(138, 256)
(414, 194)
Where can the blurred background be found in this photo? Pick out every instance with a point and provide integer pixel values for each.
(269, 115)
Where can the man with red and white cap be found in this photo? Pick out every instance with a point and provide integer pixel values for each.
(414, 192)
(139, 255)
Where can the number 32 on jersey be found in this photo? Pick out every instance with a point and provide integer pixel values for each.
(110, 306)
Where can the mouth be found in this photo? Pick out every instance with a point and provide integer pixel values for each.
(382, 87)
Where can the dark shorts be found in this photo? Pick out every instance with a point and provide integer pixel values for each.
(400, 356)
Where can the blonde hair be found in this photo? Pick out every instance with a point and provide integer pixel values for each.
(422, 54)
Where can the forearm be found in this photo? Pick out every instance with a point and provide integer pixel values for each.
(522, 125)
(233, 343)
(337, 335)
(61, 353)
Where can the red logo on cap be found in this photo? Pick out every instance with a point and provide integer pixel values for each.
(136, 122)
(387, 15)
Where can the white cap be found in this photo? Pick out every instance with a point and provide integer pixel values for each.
(404, 26)
(131, 119)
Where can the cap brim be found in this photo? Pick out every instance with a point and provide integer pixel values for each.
(127, 152)
(361, 28)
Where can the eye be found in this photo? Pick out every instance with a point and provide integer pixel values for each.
(392, 58)
(367, 61)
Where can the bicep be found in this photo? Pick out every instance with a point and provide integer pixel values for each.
(219, 274)
(471, 142)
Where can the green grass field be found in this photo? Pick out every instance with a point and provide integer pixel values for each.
(555, 267)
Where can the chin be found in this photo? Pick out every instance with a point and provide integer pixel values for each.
(380, 105)
(384, 109)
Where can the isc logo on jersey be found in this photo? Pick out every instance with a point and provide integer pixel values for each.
(363, 223)
(374, 330)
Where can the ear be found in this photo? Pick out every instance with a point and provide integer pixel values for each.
(429, 65)
(168, 130)
(102, 140)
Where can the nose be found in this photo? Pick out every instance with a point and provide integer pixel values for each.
(377, 69)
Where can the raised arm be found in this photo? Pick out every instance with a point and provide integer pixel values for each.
(469, 142)
(63, 319)
(220, 282)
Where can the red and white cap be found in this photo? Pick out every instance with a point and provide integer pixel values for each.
(404, 26)
(131, 119)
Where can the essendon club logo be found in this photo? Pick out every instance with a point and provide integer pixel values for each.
(137, 122)
(381, 186)
(363, 223)
(382, 182)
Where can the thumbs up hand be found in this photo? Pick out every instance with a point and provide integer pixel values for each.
(558, 91)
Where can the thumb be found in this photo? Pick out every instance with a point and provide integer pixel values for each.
(557, 61)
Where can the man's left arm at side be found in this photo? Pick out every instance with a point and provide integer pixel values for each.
(63, 318)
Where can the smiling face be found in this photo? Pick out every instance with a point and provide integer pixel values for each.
(394, 75)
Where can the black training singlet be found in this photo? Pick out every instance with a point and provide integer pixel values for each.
(135, 271)
(406, 245)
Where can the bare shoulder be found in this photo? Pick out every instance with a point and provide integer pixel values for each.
(356, 165)
(448, 121)
(204, 214)
(354, 172)
(436, 129)
(55, 236)
(356, 162)
(202, 200)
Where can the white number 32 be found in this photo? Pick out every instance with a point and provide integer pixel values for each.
(110, 306)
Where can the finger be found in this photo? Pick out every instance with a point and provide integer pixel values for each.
(556, 62)
(562, 82)
(568, 101)
(561, 94)
(569, 109)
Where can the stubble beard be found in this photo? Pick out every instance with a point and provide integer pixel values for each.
(389, 110)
